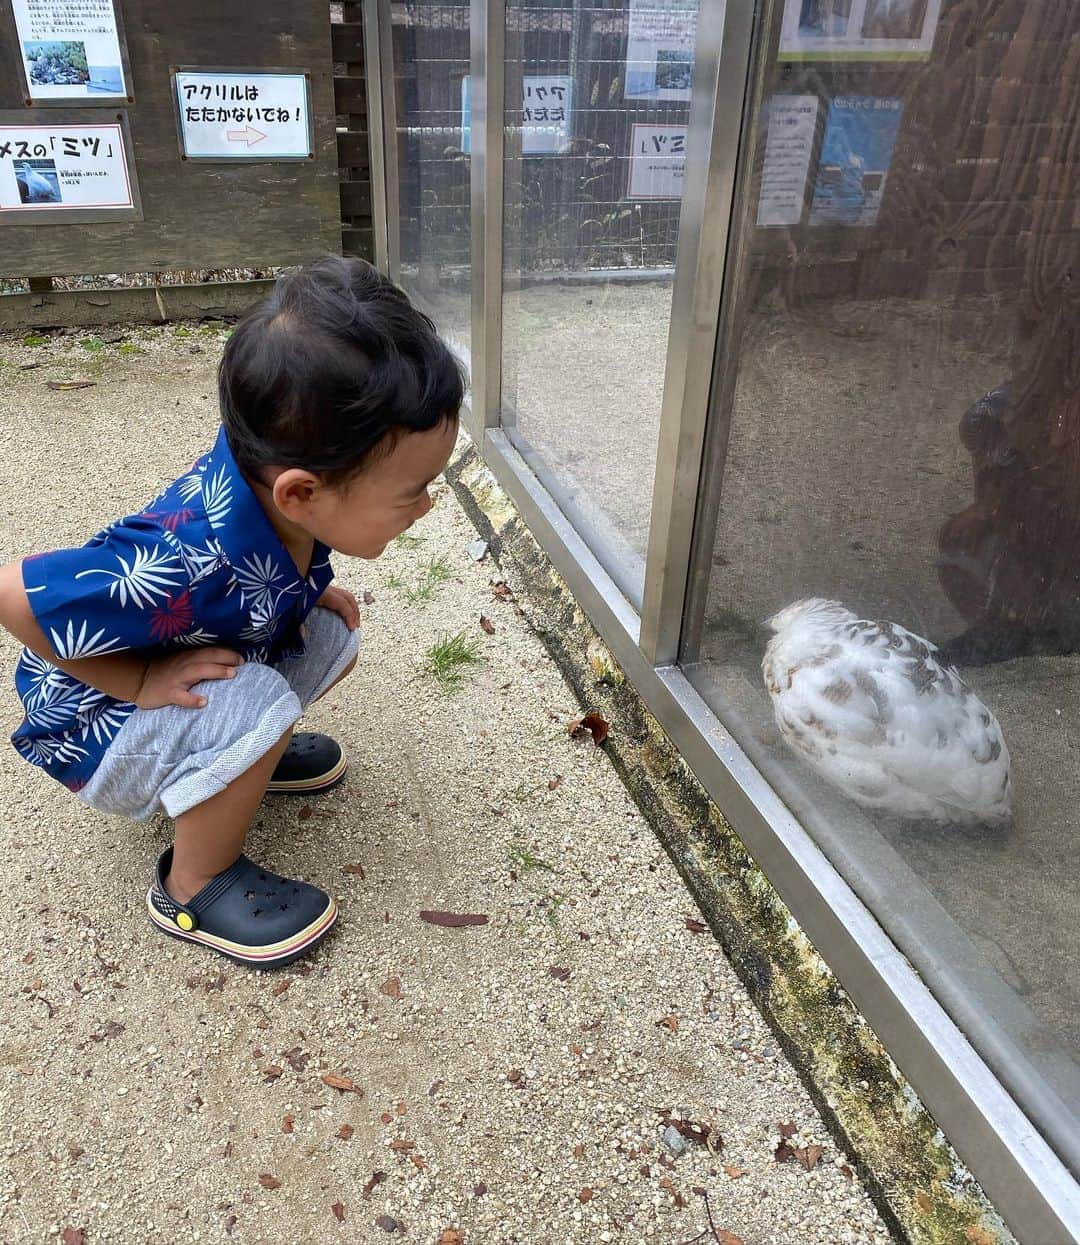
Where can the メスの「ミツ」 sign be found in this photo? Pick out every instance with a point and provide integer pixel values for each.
(657, 161)
(235, 115)
(54, 170)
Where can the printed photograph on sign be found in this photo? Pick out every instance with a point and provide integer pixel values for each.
(229, 115)
(545, 114)
(858, 29)
(70, 50)
(58, 168)
(657, 161)
(660, 49)
(860, 135)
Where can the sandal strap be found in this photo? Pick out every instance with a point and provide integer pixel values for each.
(199, 903)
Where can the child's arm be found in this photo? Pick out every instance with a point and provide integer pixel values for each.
(125, 676)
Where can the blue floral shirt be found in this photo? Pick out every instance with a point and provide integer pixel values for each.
(201, 565)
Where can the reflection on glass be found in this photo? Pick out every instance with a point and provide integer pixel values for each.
(597, 104)
(901, 441)
(431, 60)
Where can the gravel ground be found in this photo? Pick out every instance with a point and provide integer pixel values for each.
(505, 1081)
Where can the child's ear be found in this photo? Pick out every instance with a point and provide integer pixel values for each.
(293, 491)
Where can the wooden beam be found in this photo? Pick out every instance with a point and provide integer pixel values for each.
(215, 300)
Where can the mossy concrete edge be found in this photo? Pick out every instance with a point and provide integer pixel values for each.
(921, 1187)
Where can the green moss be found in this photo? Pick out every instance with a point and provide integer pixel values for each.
(35, 339)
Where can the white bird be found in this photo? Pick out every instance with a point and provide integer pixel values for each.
(873, 709)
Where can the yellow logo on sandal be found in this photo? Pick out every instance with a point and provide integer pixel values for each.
(184, 921)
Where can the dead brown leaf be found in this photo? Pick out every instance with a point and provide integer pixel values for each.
(591, 722)
(809, 1156)
(453, 920)
(399, 1143)
(345, 1132)
(339, 1212)
(579, 1151)
(391, 987)
(62, 386)
(783, 1153)
(451, 1236)
(272, 1072)
(847, 1171)
(269, 1182)
(789, 1129)
(344, 1083)
(369, 597)
(925, 1202)
(728, 1238)
(585, 1195)
(479, 1189)
(387, 1222)
(287, 1123)
(305, 812)
(487, 624)
(671, 1021)
(376, 1178)
(74, 1236)
(355, 869)
(386, 1118)
(560, 974)
(280, 989)
(418, 1160)
(735, 1172)
(555, 782)
(695, 927)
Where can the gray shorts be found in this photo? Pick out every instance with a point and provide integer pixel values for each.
(171, 759)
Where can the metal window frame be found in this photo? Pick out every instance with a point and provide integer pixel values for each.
(1015, 1165)
(382, 135)
(721, 71)
(487, 144)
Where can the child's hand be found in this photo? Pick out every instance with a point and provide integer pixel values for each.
(168, 680)
(343, 603)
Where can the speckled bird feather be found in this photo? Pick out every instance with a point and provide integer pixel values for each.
(876, 711)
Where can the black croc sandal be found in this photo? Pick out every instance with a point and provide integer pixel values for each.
(249, 914)
(310, 763)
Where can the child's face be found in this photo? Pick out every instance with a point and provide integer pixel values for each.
(380, 503)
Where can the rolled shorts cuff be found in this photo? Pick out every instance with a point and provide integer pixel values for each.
(203, 784)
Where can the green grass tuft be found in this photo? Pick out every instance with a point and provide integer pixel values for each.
(448, 657)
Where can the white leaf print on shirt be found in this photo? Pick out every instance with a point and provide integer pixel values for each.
(70, 647)
(56, 704)
(258, 579)
(102, 719)
(149, 577)
(217, 496)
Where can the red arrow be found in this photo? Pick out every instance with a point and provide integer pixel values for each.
(249, 135)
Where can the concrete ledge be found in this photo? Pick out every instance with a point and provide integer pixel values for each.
(127, 304)
(923, 1190)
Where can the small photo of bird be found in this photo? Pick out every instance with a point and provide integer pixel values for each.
(880, 714)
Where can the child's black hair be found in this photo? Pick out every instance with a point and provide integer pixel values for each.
(334, 363)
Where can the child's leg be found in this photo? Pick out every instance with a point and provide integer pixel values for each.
(209, 837)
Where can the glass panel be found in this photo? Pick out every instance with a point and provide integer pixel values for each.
(598, 99)
(899, 431)
(431, 57)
